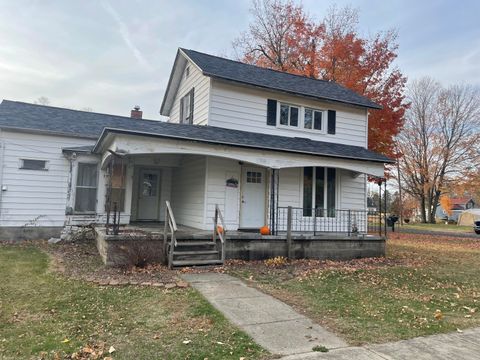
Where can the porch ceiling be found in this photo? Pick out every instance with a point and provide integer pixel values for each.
(134, 144)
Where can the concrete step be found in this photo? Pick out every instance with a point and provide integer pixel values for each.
(196, 262)
(199, 252)
(185, 243)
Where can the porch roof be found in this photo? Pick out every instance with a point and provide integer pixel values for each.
(245, 139)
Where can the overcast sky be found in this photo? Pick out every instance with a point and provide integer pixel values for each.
(111, 55)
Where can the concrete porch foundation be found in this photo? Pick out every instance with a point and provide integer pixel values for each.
(116, 250)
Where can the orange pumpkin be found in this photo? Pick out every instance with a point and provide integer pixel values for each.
(219, 229)
(265, 230)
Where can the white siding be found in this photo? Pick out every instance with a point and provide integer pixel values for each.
(188, 191)
(35, 198)
(243, 108)
(353, 191)
(201, 84)
(290, 187)
(218, 171)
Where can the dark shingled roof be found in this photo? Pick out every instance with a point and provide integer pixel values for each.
(231, 70)
(48, 119)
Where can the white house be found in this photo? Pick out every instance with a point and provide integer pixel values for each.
(249, 139)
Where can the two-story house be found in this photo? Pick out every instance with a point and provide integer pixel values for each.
(248, 139)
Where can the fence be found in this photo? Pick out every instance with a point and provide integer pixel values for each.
(340, 221)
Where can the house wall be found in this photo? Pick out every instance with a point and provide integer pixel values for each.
(227, 198)
(201, 84)
(188, 191)
(34, 198)
(245, 108)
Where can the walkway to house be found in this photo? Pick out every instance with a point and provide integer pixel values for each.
(465, 346)
(270, 322)
(281, 330)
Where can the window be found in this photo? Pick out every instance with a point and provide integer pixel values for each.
(301, 117)
(86, 188)
(118, 186)
(319, 191)
(254, 177)
(29, 164)
(288, 115)
(312, 119)
(186, 108)
(187, 71)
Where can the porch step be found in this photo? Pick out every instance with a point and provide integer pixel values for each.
(194, 243)
(200, 252)
(196, 262)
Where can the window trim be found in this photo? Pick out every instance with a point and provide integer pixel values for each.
(188, 120)
(22, 164)
(301, 118)
(325, 190)
(88, 212)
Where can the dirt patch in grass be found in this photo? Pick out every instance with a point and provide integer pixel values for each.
(80, 260)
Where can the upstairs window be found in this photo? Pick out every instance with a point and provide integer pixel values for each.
(313, 119)
(289, 115)
(30, 164)
(86, 188)
(186, 108)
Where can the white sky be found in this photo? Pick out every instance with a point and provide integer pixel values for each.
(109, 55)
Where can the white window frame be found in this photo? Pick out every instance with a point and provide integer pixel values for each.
(86, 187)
(21, 165)
(325, 188)
(301, 118)
(288, 126)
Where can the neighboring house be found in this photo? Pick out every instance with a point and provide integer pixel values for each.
(246, 138)
(459, 205)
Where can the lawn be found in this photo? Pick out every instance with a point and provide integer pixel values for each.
(441, 227)
(46, 315)
(426, 285)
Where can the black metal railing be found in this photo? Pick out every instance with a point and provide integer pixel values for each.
(340, 221)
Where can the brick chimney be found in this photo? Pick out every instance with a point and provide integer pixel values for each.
(136, 113)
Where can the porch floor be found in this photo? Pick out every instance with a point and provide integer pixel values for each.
(187, 232)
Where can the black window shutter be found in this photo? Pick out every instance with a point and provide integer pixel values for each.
(271, 112)
(180, 120)
(332, 121)
(192, 93)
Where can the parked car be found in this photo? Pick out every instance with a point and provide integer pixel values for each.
(476, 227)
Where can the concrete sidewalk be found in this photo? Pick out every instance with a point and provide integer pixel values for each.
(270, 322)
(465, 346)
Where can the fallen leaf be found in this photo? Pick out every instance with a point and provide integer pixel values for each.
(65, 340)
(186, 341)
(438, 315)
(111, 350)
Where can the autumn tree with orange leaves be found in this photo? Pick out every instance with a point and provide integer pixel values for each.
(446, 204)
(283, 37)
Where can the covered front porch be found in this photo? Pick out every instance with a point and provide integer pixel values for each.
(252, 188)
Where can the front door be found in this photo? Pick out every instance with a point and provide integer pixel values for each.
(148, 194)
(252, 212)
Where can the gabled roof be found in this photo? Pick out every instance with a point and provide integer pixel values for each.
(230, 70)
(74, 123)
(460, 201)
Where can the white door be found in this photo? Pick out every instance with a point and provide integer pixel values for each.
(148, 194)
(252, 212)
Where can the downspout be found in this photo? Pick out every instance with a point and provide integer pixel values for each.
(2, 155)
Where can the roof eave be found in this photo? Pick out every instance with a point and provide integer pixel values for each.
(374, 106)
(107, 130)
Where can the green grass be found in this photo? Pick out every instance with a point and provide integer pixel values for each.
(43, 313)
(390, 302)
(442, 227)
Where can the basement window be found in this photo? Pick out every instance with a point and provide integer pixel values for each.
(30, 164)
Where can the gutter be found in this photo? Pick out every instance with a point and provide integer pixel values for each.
(107, 130)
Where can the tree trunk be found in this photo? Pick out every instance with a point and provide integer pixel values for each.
(422, 210)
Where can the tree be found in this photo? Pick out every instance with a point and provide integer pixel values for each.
(440, 139)
(42, 100)
(446, 204)
(283, 37)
